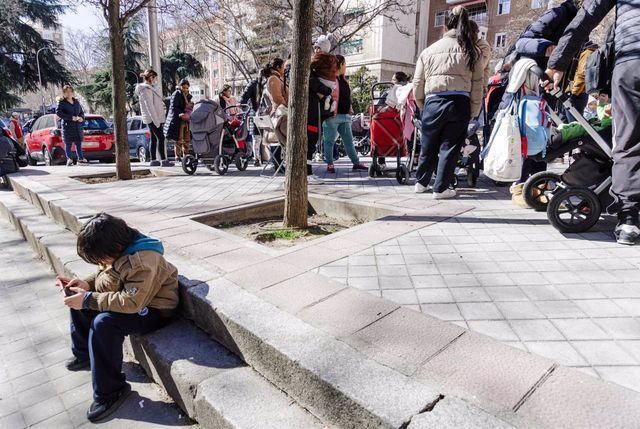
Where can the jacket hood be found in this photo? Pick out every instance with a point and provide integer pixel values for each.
(144, 242)
(142, 86)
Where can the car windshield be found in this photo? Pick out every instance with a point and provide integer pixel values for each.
(95, 124)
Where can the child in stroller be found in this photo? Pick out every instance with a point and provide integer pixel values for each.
(218, 137)
(575, 199)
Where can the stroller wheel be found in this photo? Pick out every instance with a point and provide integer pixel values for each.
(220, 165)
(537, 190)
(472, 175)
(454, 184)
(574, 210)
(372, 170)
(402, 174)
(189, 164)
(241, 163)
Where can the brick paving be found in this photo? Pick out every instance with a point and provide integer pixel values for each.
(495, 269)
(35, 388)
(505, 272)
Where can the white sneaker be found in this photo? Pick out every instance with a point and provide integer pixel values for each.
(314, 180)
(419, 188)
(447, 193)
(69, 162)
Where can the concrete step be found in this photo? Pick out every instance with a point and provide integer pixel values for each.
(212, 385)
(326, 376)
(391, 372)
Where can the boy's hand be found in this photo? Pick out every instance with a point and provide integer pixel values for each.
(61, 281)
(75, 301)
(77, 283)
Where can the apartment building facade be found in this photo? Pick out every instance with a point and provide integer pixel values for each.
(496, 18)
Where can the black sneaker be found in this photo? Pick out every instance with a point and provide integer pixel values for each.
(98, 411)
(627, 234)
(75, 364)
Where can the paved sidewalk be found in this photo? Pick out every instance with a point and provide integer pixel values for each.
(505, 272)
(496, 269)
(35, 388)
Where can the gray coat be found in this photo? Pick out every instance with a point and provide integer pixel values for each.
(627, 34)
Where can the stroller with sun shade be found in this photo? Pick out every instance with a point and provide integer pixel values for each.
(218, 138)
(390, 128)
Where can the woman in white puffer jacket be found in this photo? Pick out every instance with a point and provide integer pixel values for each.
(153, 114)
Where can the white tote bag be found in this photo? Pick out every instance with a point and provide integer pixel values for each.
(503, 155)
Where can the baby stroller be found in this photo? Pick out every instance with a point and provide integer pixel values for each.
(469, 162)
(360, 131)
(387, 137)
(218, 138)
(575, 199)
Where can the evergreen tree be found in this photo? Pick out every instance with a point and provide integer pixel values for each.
(19, 44)
(361, 83)
(178, 65)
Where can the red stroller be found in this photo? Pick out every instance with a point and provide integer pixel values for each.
(386, 135)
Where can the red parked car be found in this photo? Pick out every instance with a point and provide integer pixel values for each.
(44, 141)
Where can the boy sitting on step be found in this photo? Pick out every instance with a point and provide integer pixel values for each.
(135, 291)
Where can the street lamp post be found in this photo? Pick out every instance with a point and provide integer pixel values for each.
(40, 75)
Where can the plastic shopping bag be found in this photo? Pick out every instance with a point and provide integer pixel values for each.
(503, 154)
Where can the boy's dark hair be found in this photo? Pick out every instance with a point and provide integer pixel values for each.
(104, 236)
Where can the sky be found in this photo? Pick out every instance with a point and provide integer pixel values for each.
(82, 18)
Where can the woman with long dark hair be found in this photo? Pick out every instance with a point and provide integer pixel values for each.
(448, 87)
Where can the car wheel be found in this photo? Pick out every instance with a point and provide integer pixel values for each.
(48, 159)
(142, 154)
(32, 162)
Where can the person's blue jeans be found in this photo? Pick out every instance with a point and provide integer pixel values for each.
(341, 124)
(69, 153)
(98, 337)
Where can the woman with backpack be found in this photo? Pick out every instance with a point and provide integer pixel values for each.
(448, 88)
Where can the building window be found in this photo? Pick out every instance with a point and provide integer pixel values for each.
(501, 40)
(504, 7)
(441, 16)
(537, 4)
(352, 47)
(479, 15)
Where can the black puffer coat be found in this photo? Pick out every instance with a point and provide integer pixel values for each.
(314, 120)
(72, 131)
(627, 31)
(177, 107)
(545, 31)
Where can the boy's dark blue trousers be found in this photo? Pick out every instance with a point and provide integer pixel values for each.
(98, 337)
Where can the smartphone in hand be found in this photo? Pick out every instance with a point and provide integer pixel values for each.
(62, 284)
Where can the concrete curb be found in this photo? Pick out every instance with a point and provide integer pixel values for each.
(179, 357)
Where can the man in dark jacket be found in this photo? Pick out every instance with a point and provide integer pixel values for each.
(540, 38)
(625, 99)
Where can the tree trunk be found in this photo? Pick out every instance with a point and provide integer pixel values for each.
(119, 97)
(295, 186)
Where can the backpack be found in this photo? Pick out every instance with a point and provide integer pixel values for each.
(599, 68)
(534, 125)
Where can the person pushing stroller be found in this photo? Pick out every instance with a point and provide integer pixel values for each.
(625, 94)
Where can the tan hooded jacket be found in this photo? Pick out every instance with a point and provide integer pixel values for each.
(133, 282)
(443, 67)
